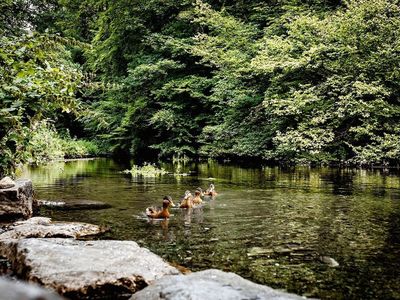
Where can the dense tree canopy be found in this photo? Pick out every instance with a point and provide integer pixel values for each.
(294, 81)
(39, 83)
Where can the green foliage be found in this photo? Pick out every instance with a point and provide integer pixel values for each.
(333, 81)
(46, 145)
(295, 81)
(16, 16)
(37, 81)
(37, 77)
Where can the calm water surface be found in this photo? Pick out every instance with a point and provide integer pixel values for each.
(269, 225)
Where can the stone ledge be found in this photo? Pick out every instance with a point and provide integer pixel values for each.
(209, 284)
(41, 227)
(88, 269)
(17, 201)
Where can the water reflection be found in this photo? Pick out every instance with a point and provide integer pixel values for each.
(268, 224)
(187, 216)
(164, 232)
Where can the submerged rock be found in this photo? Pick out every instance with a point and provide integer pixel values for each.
(329, 261)
(50, 204)
(6, 183)
(282, 250)
(258, 251)
(17, 201)
(88, 269)
(209, 284)
(17, 290)
(73, 204)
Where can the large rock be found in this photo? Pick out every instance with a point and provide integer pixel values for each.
(88, 269)
(73, 204)
(44, 227)
(17, 201)
(17, 290)
(7, 183)
(39, 227)
(209, 284)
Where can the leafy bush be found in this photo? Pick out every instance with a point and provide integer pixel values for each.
(299, 81)
(79, 148)
(45, 145)
(38, 81)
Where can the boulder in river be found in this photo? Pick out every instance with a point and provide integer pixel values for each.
(88, 269)
(17, 201)
(18, 290)
(73, 204)
(209, 284)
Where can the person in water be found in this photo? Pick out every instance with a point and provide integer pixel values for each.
(155, 213)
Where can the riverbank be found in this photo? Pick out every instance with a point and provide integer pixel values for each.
(246, 162)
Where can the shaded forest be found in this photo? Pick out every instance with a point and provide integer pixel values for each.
(280, 80)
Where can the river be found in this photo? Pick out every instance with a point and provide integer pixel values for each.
(267, 224)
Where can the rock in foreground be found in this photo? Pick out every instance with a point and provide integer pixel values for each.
(88, 269)
(44, 227)
(17, 290)
(17, 201)
(7, 183)
(209, 284)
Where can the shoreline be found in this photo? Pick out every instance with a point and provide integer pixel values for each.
(252, 162)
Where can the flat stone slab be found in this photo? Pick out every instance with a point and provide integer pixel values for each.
(88, 269)
(18, 290)
(73, 205)
(45, 227)
(17, 201)
(209, 284)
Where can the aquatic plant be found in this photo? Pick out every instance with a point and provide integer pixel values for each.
(147, 170)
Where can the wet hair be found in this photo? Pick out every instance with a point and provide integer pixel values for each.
(197, 192)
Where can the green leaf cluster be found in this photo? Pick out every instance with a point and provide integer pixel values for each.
(295, 81)
(38, 81)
